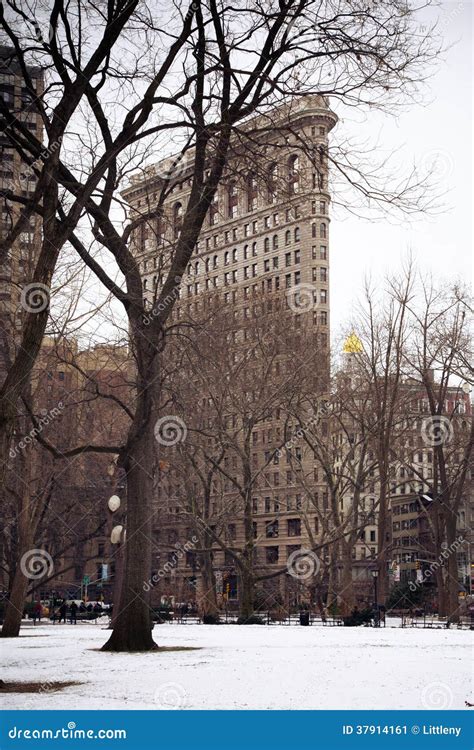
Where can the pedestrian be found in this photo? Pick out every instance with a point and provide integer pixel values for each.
(73, 613)
(37, 612)
(62, 612)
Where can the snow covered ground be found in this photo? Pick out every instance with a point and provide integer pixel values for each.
(246, 667)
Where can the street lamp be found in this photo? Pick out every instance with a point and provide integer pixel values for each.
(375, 575)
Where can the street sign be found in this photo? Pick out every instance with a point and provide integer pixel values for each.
(86, 580)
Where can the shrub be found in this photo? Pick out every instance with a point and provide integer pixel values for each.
(252, 620)
(211, 620)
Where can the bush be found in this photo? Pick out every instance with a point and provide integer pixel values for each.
(211, 619)
(252, 620)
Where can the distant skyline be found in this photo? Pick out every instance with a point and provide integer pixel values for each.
(438, 134)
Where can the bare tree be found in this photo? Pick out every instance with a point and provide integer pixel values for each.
(233, 63)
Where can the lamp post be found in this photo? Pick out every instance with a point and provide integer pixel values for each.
(375, 575)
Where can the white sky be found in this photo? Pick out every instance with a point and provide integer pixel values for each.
(439, 132)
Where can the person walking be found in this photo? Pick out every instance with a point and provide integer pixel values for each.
(37, 612)
(73, 613)
(62, 612)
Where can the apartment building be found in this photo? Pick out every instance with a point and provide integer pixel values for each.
(17, 177)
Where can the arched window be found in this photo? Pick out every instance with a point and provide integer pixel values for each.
(215, 261)
(254, 249)
(252, 191)
(287, 237)
(293, 174)
(272, 179)
(226, 258)
(297, 234)
(266, 244)
(196, 267)
(177, 219)
(145, 284)
(206, 265)
(234, 255)
(275, 242)
(232, 200)
(322, 230)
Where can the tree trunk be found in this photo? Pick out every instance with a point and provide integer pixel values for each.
(16, 601)
(132, 624)
(247, 591)
(441, 592)
(346, 596)
(208, 600)
(452, 584)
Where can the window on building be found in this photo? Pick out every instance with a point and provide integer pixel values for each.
(271, 529)
(294, 527)
(297, 234)
(271, 555)
(252, 191)
(177, 219)
(293, 174)
(322, 230)
(232, 200)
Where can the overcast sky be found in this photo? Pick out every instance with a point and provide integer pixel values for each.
(437, 133)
